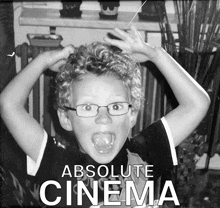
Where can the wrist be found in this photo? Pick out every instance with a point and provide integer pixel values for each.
(152, 52)
(159, 55)
(42, 61)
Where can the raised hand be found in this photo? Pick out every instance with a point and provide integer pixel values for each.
(54, 59)
(133, 44)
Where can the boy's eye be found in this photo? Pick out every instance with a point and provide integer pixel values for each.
(88, 107)
(116, 106)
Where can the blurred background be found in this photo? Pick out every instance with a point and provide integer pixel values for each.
(188, 30)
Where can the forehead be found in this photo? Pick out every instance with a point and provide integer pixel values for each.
(102, 89)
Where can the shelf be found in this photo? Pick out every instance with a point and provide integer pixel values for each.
(89, 19)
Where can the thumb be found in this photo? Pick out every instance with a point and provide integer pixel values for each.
(65, 52)
(68, 50)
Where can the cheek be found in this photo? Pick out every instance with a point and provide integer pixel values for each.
(81, 125)
(83, 129)
(123, 126)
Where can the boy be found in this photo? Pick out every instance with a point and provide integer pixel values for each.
(98, 98)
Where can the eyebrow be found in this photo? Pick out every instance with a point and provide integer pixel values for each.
(92, 97)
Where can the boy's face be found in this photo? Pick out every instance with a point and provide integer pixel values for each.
(103, 135)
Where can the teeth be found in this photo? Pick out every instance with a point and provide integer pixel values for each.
(103, 142)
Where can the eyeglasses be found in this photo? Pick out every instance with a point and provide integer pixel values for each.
(91, 110)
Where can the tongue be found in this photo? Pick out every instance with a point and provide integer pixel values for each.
(102, 140)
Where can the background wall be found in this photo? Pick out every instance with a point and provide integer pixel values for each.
(11, 155)
(75, 36)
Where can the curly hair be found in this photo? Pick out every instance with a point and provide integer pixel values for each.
(99, 59)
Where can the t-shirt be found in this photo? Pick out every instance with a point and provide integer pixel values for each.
(79, 181)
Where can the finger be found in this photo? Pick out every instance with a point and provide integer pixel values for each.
(123, 34)
(113, 36)
(133, 28)
(64, 53)
(135, 31)
(120, 44)
(56, 66)
(67, 51)
(70, 48)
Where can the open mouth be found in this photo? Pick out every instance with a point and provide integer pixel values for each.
(103, 142)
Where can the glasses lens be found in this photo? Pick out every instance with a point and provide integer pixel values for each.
(116, 109)
(87, 110)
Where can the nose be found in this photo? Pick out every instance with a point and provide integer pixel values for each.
(103, 116)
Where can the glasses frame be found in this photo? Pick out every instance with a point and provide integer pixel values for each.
(97, 112)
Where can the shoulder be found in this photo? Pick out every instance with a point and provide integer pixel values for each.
(155, 146)
(153, 135)
(55, 154)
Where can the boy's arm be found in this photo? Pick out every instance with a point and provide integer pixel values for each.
(192, 98)
(25, 129)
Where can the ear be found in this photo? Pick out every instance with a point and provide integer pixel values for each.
(133, 117)
(64, 120)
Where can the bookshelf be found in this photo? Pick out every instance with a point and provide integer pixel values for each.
(89, 19)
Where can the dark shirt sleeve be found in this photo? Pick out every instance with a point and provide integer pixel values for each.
(55, 157)
(50, 164)
(153, 146)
